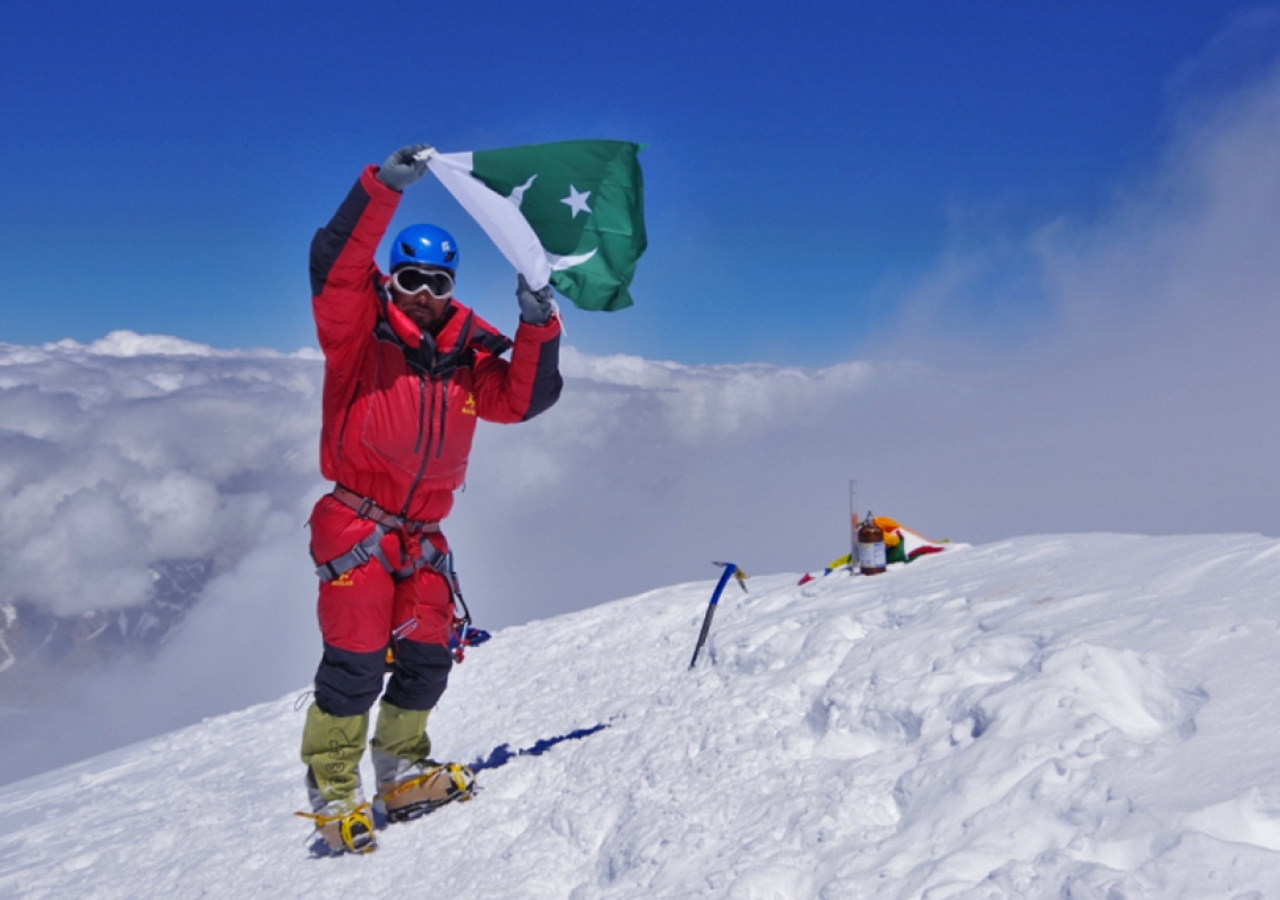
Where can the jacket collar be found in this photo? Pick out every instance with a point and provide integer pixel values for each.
(459, 328)
(403, 326)
(444, 333)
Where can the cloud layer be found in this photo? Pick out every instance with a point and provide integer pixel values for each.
(131, 451)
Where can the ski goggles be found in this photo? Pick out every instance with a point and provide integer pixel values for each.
(436, 282)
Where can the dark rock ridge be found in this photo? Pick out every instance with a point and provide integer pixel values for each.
(31, 637)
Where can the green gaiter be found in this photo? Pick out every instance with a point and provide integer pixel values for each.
(332, 747)
(402, 732)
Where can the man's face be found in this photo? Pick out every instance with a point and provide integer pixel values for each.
(417, 299)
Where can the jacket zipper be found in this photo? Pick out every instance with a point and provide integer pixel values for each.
(444, 411)
(426, 451)
(422, 412)
(441, 387)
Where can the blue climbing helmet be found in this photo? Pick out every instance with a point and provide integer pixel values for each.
(425, 245)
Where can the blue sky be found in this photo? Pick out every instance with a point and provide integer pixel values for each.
(163, 165)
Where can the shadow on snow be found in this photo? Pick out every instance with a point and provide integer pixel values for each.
(503, 754)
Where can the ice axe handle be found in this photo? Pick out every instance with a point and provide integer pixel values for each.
(729, 569)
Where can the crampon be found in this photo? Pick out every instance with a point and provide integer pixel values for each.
(343, 833)
(434, 786)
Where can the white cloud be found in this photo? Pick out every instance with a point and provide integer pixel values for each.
(115, 461)
(1143, 402)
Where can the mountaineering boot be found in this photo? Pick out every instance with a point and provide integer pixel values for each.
(331, 748)
(341, 828)
(410, 784)
(423, 787)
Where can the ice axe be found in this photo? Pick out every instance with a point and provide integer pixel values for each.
(730, 570)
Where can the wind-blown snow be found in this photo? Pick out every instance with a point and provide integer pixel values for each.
(1052, 717)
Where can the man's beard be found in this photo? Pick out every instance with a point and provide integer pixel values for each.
(421, 314)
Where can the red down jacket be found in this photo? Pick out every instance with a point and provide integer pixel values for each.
(400, 405)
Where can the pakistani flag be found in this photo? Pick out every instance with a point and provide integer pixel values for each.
(570, 214)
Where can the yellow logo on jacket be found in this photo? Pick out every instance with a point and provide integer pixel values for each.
(469, 408)
(343, 580)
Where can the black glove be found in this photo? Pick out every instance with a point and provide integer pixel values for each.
(403, 168)
(536, 307)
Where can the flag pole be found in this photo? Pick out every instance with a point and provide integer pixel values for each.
(853, 523)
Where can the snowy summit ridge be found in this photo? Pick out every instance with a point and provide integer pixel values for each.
(1085, 717)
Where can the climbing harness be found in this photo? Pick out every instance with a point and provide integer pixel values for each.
(461, 634)
(371, 546)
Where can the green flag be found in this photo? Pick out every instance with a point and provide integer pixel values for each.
(569, 213)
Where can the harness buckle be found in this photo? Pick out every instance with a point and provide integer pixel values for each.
(366, 506)
(361, 553)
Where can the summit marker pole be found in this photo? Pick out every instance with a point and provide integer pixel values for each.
(853, 523)
(730, 571)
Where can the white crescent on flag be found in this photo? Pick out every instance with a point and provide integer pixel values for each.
(560, 263)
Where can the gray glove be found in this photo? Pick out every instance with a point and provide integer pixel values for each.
(536, 307)
(402, 168)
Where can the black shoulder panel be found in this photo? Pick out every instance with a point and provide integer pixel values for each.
(547, 382)
(329, 241)
(491, 342)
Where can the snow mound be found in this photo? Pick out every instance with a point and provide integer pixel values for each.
(1051, 717)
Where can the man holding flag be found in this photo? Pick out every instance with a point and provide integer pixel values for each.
(408, 371)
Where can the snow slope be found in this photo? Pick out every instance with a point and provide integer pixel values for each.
(1050, 717)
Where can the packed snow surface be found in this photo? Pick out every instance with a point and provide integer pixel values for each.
(1049, 717)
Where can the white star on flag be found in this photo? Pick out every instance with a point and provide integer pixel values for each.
(577, 201)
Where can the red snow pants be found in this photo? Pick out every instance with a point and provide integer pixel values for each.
(359, 610)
